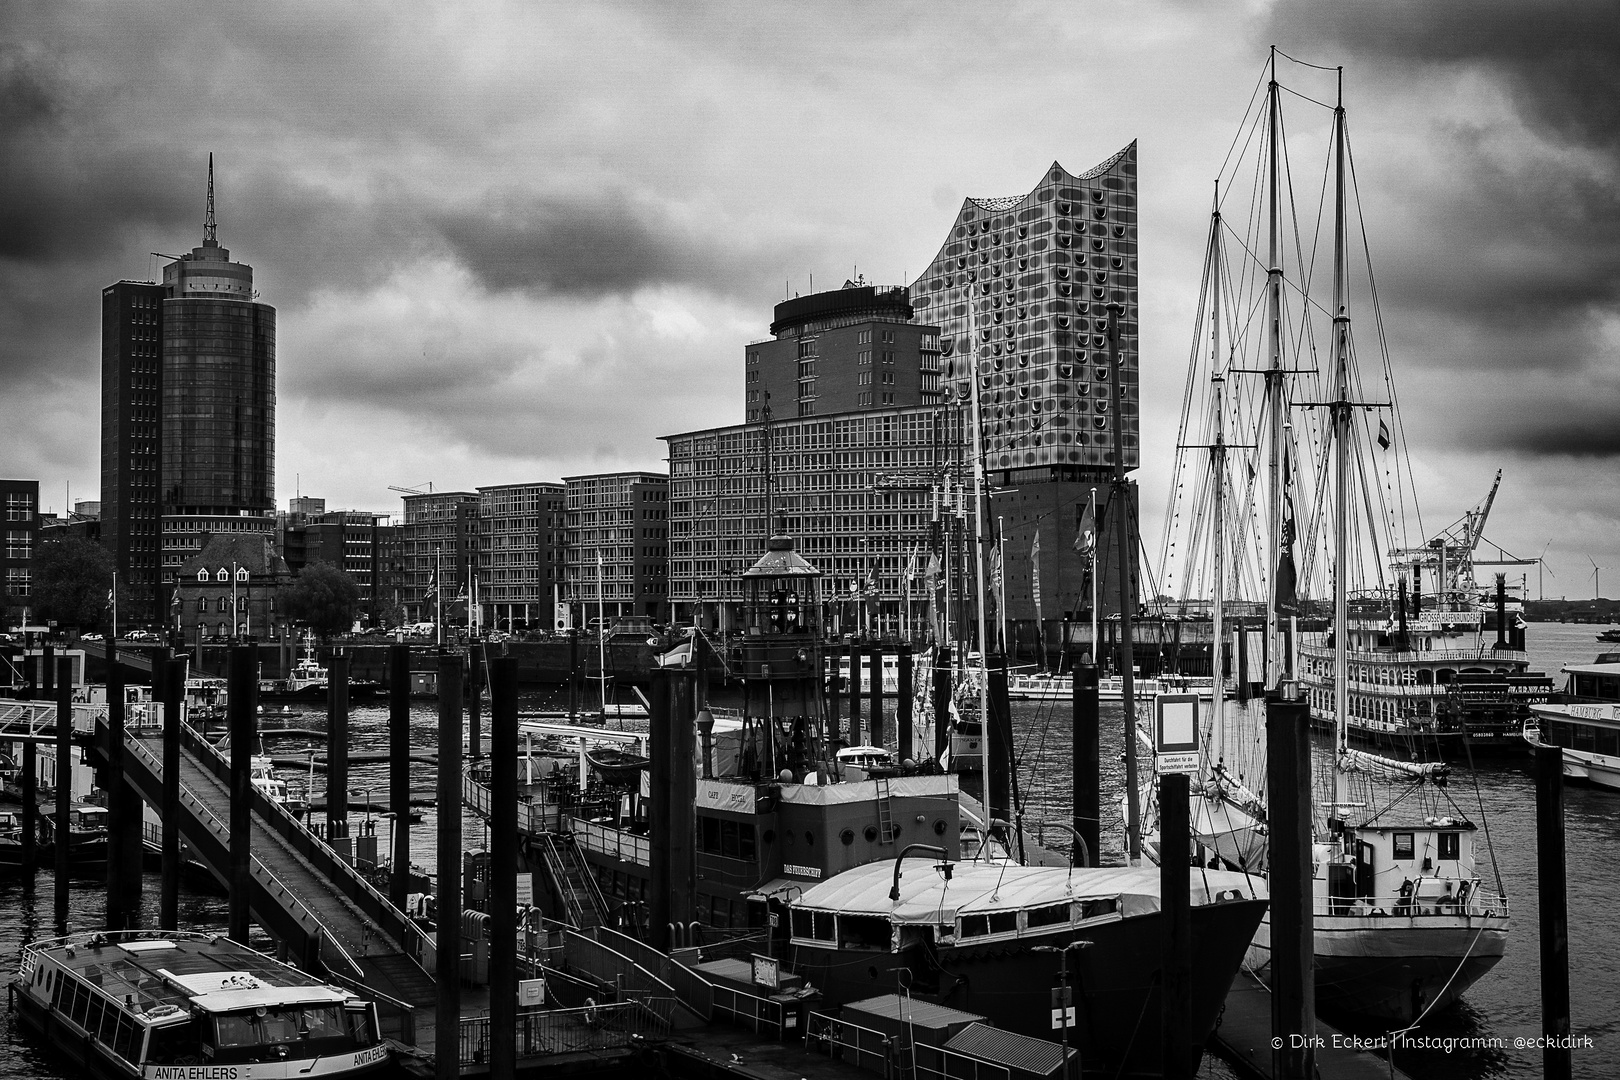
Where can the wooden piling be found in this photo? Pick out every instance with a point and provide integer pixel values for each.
(854, 694)
(660, 833)
(169, 684)
(902, 708)
(1293, 986)
(997, 743)
(1175, 909)
(447, 1017)
(30, 810)
(1556, 1061)
(63, 686)
(475, 703)
(243, 703)
(874, 680)
(942, 701)
(1087, 774)
(123, 805)
(337, 750)
(399, 772)
(504, 862)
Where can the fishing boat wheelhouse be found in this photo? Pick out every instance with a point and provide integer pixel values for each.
(177, 1006)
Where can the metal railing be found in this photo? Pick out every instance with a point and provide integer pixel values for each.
(1427, 899)
(412, 939)
(757, 1014)
(693, 990)
(332, 951)
(532, 817)
(899, 1059)
(626, 847)
(610, 968)
(561, 1031)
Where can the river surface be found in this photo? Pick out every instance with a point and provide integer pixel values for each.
(1502, 1006)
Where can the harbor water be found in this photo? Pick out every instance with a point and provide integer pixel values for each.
(1502, 1007)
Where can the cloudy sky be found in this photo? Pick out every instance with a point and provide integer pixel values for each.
(516, 241)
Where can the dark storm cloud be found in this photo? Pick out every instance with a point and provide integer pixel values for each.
(1500, 247)
(583, 244)
(1561, 62)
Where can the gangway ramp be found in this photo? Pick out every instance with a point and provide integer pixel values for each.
(302, 892)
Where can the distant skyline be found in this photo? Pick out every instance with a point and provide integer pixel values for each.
(512, 242)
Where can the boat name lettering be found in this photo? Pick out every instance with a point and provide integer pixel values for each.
(193, 1072)
(802, 871)
(366, 1057)
(1589, 712)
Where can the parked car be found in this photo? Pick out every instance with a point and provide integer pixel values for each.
(140, 635)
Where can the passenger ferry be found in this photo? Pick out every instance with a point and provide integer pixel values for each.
(189, 1006)
(1585, 723)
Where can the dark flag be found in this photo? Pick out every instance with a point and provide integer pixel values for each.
(1383, 435)
(1287, 579)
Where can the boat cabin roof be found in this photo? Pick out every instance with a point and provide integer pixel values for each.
(926, 898)
(1592, 669)
(186, 970)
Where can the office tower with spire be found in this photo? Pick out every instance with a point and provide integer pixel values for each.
(188, 415)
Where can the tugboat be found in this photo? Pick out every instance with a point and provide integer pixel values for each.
(147, 1004)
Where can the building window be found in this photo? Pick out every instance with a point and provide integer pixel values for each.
(241, 573)
(223, 575)
(19, 544)
(18, 580)
(202, 605)
(202, 575)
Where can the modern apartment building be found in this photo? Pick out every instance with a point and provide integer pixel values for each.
(617, 556)
(20, 500)
(850, 349)
(520, 554)
(438, 548)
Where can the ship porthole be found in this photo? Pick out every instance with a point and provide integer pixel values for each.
(809, 837)
(939, 827)
(871, 834)
(847, 836)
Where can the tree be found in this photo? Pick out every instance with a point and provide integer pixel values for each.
(72, 578)
(11, 609)
(324, 598)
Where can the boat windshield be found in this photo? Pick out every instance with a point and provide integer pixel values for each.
(288, 1031)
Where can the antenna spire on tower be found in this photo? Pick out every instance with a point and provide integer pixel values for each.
(209, 225)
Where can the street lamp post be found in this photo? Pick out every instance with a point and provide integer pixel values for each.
(1063, 995)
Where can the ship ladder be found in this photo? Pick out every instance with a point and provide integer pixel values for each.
(576, 888)
(885, 818)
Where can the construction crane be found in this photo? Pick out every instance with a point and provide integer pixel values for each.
(424, 488)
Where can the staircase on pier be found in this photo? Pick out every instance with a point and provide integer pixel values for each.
(571, 881)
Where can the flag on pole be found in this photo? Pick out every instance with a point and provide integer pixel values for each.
(1383, 435)
(1085, 535)
(911, 565)
(1035, 570)
(1287, 599)
(995, 569)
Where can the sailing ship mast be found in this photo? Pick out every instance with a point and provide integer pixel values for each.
(1218, 468)
(1341, 462)
(1276, 667)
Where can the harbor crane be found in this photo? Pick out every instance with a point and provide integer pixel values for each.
(1449, 555)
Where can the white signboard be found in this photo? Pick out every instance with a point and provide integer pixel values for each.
(525, 890)
(531, 992)
(564, 620)
(1175, 733)
(767, 972)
